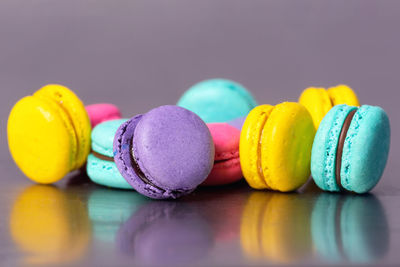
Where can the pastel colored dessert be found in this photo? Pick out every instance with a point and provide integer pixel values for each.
(351, 228)
(100, 166)
(40, 225)
(237, 123)
(102, 112)
(49, 134)
(165, 233)
(275, 146)
(351, 148)
(319, 101)
(109, 209)
(226, 167)
(165, 153)
(277, 227)
(218, 100)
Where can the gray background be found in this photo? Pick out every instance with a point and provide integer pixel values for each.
(142, 54)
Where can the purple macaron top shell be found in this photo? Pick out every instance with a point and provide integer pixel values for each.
(172, 147)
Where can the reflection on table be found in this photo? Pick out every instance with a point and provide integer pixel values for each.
(49, 225)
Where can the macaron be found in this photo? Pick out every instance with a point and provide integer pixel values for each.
(218, 100)
(165, 233)
(165, 153)
(226, 167)
(352, 228)
(277, 227)
(102, 112)
(319, 101)
(49, 134)
(275, 146)
(100, 166)
(351, 148)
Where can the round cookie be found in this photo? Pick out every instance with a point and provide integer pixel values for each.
(351, 148)
(218, 100)
(275, 146)
(165, 153)
(49, 134)
(100, 166)
(226, 167)
(102, 112)
(319, 101)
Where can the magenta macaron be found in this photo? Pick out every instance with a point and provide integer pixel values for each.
(102, 112)
(165, 153)
(226, 168)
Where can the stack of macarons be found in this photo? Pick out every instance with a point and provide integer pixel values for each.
(215, 135)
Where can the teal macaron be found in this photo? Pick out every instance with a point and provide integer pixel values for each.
(101, 167)
(352, 228)
(218, 100)
(351, 148)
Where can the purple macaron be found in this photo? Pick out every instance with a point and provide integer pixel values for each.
(165, 153)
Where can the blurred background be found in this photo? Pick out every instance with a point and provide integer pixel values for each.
(139, 54)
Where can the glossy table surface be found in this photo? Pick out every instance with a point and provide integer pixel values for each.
(79, 223)
(140, 54)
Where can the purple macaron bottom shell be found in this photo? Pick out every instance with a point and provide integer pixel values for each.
(126, 164)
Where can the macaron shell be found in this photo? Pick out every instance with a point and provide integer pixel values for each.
(68, 101)
(39, 141)
(317, 102)
(342, 94)
(103, 136)
(249, 147)
(218, 100)
(286, 147)
(105, 173)
(102, 112)
(174, 148)
(226, 168)
(323, 155)
(366, 149)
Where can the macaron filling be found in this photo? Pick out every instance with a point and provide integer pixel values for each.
(227, 159)
(102, 157)
(339, 153)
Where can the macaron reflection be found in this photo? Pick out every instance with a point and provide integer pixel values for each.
(50, 225)
(109, 209)
(276, 227)
(165, 233)
(349, 228)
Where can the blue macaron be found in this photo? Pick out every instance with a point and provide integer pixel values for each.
(351, 148)
(101, 167)
(218, 100)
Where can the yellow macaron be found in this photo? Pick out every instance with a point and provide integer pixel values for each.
(49, 134)
(275, 146)
(319, 101)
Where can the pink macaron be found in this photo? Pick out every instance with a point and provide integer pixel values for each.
(102, 112)
(226, 168)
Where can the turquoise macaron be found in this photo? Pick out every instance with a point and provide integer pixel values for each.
(352, 228)
(218, 100)
(351, 148)
(101, 167)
